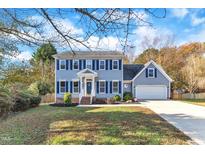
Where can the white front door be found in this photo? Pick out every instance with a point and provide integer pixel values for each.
(151, 92)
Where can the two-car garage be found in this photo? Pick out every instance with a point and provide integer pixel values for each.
(151, 92)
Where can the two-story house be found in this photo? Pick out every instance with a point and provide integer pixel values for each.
(97, 76)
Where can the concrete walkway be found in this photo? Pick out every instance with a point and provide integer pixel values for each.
(110, 105)
(187, 117)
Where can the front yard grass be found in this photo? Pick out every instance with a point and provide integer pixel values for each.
(75, 125)
(200, 102)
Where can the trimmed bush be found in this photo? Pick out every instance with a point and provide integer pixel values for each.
(5, 101)
(67, 98)
(117, 98)
(127, 96)
(24, 100)
(39, 88)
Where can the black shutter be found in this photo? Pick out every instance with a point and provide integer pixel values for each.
(84, 64)
(79, 86)
(106, 86)
(93, 64)
(71, 86)
(110, 64)
(66, 86)
(146, 72)
(57, 87)
(67, 64)
(155, 72)
(97, 61)
(80, 64)
(120, 88)
(111, 87)
(71, 64)
(120, 64)
(97, 88)
(57, 64)
(106, 64)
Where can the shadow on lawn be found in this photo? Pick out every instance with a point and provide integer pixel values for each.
(98, 126)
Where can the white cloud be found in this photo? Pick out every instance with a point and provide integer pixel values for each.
(148, 37)
(180, 13)
(26, 55)
(197, 20)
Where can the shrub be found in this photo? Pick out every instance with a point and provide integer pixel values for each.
(5, 101)
(35, 101)
(39, 88)
(43, 88)
(117, 98)
(24, 100)
(127, 96)
(33, 89)
(67, 98)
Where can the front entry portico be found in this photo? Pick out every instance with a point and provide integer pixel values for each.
(87, 83)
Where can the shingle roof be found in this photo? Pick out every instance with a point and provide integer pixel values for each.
(131, 70)
(89, 54)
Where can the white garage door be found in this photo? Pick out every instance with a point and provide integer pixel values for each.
(151, 92)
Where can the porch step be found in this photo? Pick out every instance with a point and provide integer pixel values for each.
(85, 100)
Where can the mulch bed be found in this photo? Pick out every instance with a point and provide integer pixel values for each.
(63, 105)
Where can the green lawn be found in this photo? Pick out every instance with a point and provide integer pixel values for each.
(200, 102)
(105, 125)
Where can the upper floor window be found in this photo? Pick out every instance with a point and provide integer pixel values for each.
(115, 64)
(150, 72)
(102, 86)
(62, 64)
(89, 64)
(75, 64)
(102, 64)
(75, 86)
(62, 86)
(115, 86)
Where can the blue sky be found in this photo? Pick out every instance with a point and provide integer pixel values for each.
(183, 25)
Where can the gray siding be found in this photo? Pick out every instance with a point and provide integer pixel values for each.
(107, 75)
(159, 80)
(127, 87)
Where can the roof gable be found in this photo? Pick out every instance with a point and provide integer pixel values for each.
(130, 70)
(159, 68)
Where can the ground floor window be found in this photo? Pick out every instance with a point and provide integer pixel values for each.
(102, 86)
(115, 86)
(62, 86)
(75, 86)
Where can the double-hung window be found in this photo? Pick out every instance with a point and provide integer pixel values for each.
(115, 86)
(102, 86)
(151, 72)
(75, 86)
(102, 64)
(115, 64)
(89, 64)
(75, 64)
(62, 86)
(62, 64)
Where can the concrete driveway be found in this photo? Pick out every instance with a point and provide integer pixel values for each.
(187, 117)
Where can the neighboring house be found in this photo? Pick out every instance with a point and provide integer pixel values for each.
(98, 76)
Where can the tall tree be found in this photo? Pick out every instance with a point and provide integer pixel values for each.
(43, 55)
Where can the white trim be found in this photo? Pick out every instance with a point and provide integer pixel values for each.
(87, 69)
(157, 66)
(74, 63)
(150, 68)
(169, 90)
(87, 63)
(117, 86)
(60, 61)
(104, 64)
(60, 86)
(104, 86)
(127, 81)
(117, 65)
